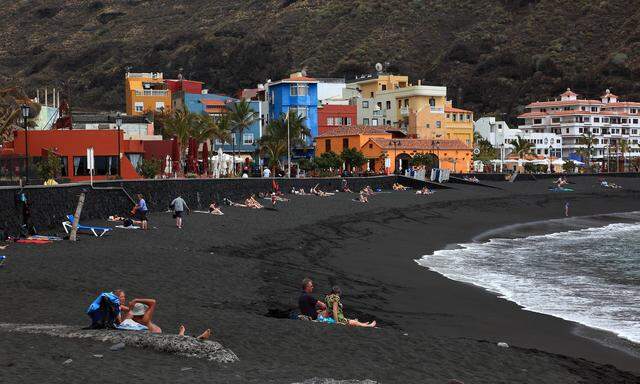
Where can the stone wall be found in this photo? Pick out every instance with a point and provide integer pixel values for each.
(50, 204)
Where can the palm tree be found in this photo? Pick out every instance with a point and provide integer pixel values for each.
(241, 116)
(274, 141)
(521, 147)
(588, 141)
(10, 114)
(222, 133)
(624, 149)
(181, 124)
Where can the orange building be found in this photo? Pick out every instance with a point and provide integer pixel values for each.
(387, 148)
(71, 146)
(146, 92)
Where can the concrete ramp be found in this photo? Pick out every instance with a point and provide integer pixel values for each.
(167, 343)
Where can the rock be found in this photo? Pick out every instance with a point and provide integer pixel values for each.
(117, 347)
(503, 345)
(185, 369)
(68, 361)
(405, 334)
(98, 356)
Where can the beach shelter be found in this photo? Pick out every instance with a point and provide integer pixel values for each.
(205, 158)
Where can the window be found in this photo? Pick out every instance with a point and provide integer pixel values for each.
(345, 143)
(634, 110)
(327, 145)
(432, 102)
(348, 121)
(454, 117)
(448, 116)
(365, 104)
(624, 121)
(537, 121)
(365, 121)
(247, 138)
(104, 165)
(299, 89)
(388, 104)
(406, 102)
(139, 106)
(374, 122)
(605, 119)
(379, 104)
(372, 95)
(384, 87)
(555, 119)
(634, 131)
(159, 106)
(543, 109)
(596, 119)
(594, 109)
(438, 123)
(399, 103)
(329, 120)
(300, 111)
(586, 119)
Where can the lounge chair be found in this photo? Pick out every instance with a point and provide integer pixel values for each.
(97, 231)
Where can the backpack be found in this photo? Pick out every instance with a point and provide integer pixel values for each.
(104, 311)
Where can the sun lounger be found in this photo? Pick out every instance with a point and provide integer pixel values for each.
(96, 231)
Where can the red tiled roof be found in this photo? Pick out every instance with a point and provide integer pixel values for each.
(557, 103)
(574, 113)
(421, 144)
(456, 110)
(212, 102)
(355, 130)
(621, 104)
(568, 93)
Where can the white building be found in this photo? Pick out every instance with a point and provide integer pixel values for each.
(330, 88)
(608, 119)
(500, 136)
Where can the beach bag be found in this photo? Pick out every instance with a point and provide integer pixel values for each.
(104, 311)
(127, 222)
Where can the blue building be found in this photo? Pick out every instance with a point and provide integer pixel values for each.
(297, 93)
(246, 144)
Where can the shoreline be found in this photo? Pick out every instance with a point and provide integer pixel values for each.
(239, 274)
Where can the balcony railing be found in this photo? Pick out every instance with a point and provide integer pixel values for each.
(379, 113)
(153, 92)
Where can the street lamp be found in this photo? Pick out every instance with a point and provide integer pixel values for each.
(118, 125)
(25, 109)
(395, 144)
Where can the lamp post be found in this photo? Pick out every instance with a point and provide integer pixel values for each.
(118, 125)
(25, 109)
(288, 146)
(501, 156)
(395, 144)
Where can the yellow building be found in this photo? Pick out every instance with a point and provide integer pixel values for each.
(458, 124)
(369, 86)
(146, 92)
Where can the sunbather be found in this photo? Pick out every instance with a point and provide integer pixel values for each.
(335, 305)
(424, 191)
(399, 187)
(362, 198)
(318, 192)
(233, 204)
(126, 222)
(345, 186)
(368, 191)
(139, 310)
(203, 336)
(251, 202)
(214, 209)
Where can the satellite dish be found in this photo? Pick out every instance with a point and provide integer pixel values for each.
(304, 72)
(379, 67)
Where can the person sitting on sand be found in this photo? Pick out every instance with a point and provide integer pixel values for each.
(139, 310)
(368, 191)
(335, 305)
(233, 204)
(424, 191)
(362, 198)
(214, 209)
(318, 192)
(307, 303)
(345, 186)
(251, 202)
(399, 187)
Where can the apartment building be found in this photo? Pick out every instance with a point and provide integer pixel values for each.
(145, 92)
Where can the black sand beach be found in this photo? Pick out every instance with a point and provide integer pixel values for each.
(240, 273)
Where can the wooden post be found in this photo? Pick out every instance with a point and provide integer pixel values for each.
(76, 218)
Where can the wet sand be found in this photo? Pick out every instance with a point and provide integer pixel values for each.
(240, 273)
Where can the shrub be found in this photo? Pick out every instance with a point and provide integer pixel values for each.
(569, 167)
(149, 168)
(49, 167)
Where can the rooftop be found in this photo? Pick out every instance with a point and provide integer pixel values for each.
(106, 118)
(355, 130)
(418, 144)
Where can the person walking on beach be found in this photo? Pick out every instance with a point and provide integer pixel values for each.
(566, 209)
(307, 303)
(178, 204)
(141, 210)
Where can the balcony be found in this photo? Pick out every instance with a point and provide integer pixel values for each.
(404, 111)
(379, 113)
(437, 110)
(153, 92)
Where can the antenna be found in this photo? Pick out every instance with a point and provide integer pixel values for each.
(379, 67)
(304, 72)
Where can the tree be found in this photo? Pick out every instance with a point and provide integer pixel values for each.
(10, 114)
(521, 147)
(149, 168)
(635, 163)
(487, 151)
(569, 166)
(49, 167)
(624, 149)
(241, 116)
(353, 158)
(273, 142)
(329, 160)
(222, 133)
(428, 160)
(181, 125)
(586, 152)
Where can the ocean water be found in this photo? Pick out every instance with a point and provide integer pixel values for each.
(587, 275)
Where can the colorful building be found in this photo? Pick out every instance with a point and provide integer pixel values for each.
(299, 94)
(335, 115)
(458, 124)
(71, 146)
(145, 92)
(337, 139)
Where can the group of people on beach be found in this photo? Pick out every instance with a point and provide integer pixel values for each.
(328, 311)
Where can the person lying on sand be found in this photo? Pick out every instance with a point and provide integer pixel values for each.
(203, 336)
(335, 305)
(214, 209)
(233, 204)
(362, 198)
(399, 187)
(139, 310)
(126, 222)
(424, 191)
(318, 192)
(251, 202)
(368, 191)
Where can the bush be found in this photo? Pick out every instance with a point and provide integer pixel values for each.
(149, 168)
(569, 167)
(49, 167)
(329, 160)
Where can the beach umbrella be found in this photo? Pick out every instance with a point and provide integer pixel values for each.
(175, 154)
(205, 158)
(192, 156)
(167, 165)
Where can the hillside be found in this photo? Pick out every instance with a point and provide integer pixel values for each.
(493, 55)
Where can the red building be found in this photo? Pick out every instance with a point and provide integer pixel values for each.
(71, 146)
(331, 116)
(187, 86)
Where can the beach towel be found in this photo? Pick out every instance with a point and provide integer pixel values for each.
(43, 237)
(556, 189)
(33, 241)
(127, 227)
(130, 325)
(104, 310)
